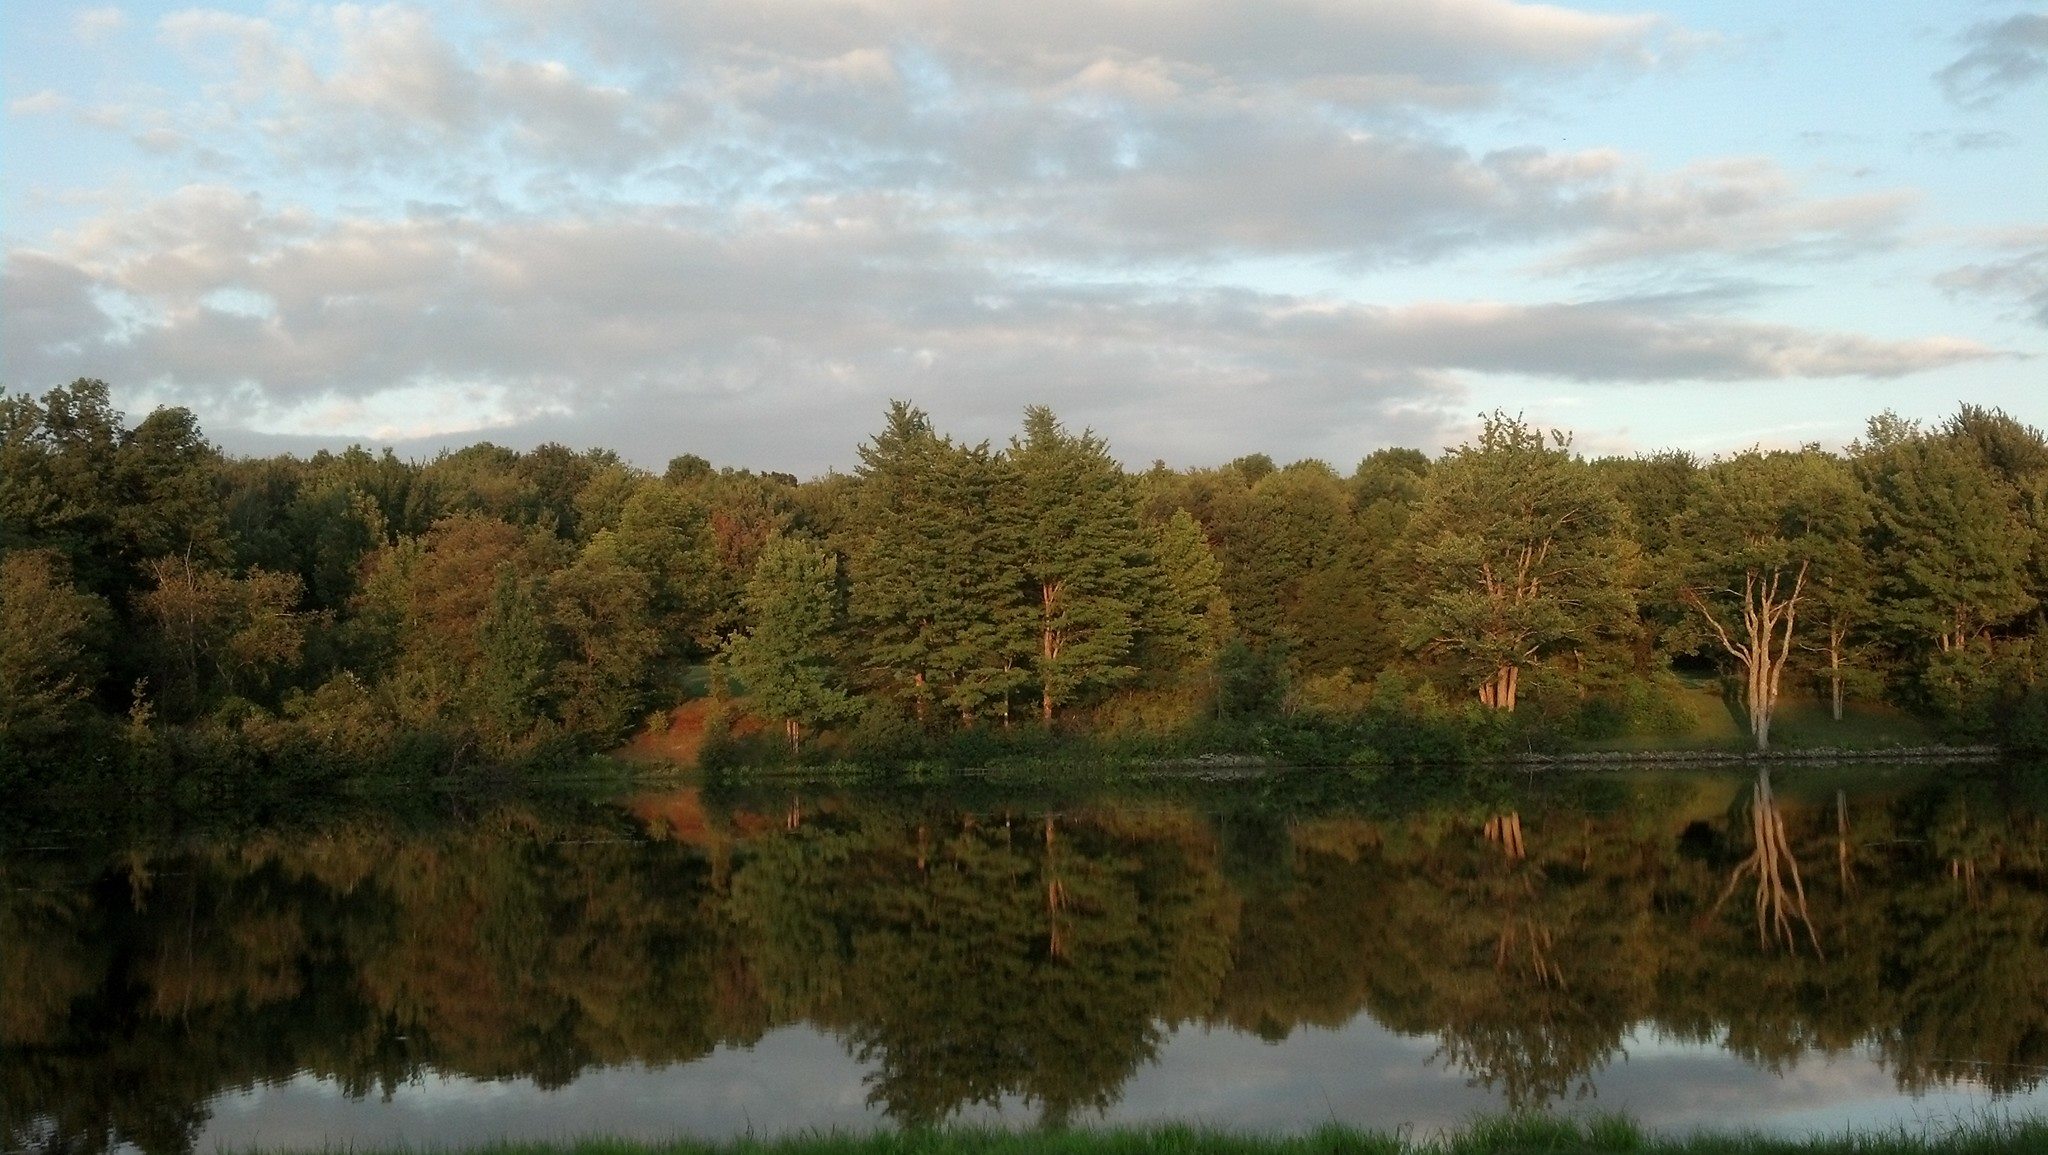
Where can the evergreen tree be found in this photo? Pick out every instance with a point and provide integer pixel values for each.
(1189, 618)
(787, 661)
(934, 566)
(1949, 538)
(1085, 568)
(1655, 488)
(599, 607)
(514, 660)
(47, 664)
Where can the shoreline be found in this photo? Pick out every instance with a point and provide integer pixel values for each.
(1533, 1134)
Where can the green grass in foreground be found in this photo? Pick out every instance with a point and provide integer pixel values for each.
(1800, 723)
(1530, 1135)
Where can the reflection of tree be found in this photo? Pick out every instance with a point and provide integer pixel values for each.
(994, 955)
(1522, 1028)
(504, 949)
(1029, 964)
(1772, 861)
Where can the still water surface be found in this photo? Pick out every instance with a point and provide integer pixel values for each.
(1831, 947)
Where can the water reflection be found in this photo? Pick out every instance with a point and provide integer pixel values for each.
(1049, 957)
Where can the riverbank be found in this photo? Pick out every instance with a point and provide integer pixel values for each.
(1531, 1135)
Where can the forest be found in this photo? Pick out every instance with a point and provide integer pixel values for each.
(168, 610)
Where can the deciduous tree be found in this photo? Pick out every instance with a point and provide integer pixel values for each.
(1762, 529)
(1520, 548)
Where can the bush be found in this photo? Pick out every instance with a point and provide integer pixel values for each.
(883, 737)
(1251, 682)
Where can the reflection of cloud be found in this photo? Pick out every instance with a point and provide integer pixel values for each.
(2002, 55)
(799, 1080)
(792, 1079)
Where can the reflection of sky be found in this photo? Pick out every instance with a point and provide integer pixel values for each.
(798, 1079)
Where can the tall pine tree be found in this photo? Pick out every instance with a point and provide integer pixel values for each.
(1085, 569)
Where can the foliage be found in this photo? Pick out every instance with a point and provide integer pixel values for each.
(1762, 532)
(1520, 550)
(787, 660)
(47, 663)
(493, 607)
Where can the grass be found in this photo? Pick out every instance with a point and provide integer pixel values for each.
(1800, 723)
(1515, 1135)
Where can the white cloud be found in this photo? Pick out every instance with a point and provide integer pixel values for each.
(567, 216)
(38, 103)
(96, 24)
(794, 323)
(1404, 49)
(1747, 206)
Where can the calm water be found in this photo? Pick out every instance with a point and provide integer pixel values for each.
(1857, 946)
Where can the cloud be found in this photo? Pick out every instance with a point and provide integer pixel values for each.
(1958, 140)
(2002, 55)
(96, 24)
(1737, 206)
(1393, 51)
(380, 89)
(2019, 274)
(1168, 134)
(788, 330)
(38, 103)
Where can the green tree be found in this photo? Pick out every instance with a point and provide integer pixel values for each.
(933, 553)
(75, 479)
(1949, 539)
(506, 690)
(47, 663)
(417, 620)
(1656, 488)
(1189, 619)
(211, 634)
(1085, 567)
(665, 532)
(1520, 548)
(599, 608)
(787, 661)
(1762, 529)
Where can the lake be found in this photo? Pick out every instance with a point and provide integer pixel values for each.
(1801, 951)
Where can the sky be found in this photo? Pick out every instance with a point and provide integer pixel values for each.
(1308, 228)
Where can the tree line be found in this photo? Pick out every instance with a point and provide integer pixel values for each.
(165, 603)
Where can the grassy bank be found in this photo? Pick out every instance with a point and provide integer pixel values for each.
(1333, 721)
(1534, 1135)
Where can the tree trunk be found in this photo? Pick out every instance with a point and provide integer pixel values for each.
(1497, 692)
(1835, 640)
(1769, 615)
(1048, 648)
